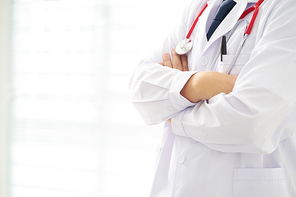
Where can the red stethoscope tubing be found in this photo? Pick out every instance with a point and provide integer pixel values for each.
(195, 21)
(245, 13)
(256, 8)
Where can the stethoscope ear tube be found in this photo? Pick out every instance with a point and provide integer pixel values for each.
(237, 53)
(247, 32)
(227, 38)
(256, 8)
(185, 45)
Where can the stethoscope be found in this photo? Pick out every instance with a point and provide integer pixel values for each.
(186, 45)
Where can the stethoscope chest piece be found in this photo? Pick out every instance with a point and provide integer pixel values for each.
(184, 46)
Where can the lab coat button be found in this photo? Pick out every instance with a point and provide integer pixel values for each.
(181, 158)
(203, 60)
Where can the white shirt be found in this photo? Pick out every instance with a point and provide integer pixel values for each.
(242, 144)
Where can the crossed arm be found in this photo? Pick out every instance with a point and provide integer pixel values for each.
(201, 85)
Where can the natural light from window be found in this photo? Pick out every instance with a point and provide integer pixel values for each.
(72, 129)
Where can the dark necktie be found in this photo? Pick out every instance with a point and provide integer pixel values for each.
(222, 12)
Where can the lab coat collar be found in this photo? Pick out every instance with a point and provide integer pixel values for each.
(229, 21)
(212, 4)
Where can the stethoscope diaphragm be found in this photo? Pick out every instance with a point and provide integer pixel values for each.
(184, 46)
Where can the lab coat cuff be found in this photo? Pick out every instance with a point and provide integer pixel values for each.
(177, 125)
(178, 83)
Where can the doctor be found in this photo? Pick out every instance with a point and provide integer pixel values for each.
(225, 135)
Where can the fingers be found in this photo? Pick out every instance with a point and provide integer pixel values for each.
(167, 60)
(180, 62)
(176, 60)
(184, 62)
(169, 121)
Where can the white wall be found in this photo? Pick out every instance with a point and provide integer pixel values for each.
(4, 62)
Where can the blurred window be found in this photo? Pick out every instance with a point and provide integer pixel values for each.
(72, 129)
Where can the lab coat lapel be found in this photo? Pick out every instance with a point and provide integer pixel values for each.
(228, 22)
(208, 11)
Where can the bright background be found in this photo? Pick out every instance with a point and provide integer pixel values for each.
(72, 131)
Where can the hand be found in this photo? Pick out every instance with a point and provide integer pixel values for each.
(179, 61)
(169, 121)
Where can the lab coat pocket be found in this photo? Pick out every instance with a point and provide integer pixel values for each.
(253, 182)
(223, 66)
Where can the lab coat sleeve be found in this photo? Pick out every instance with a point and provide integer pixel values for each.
(155, 89)
(261, 110)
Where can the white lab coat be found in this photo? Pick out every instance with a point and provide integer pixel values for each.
(238, 145)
